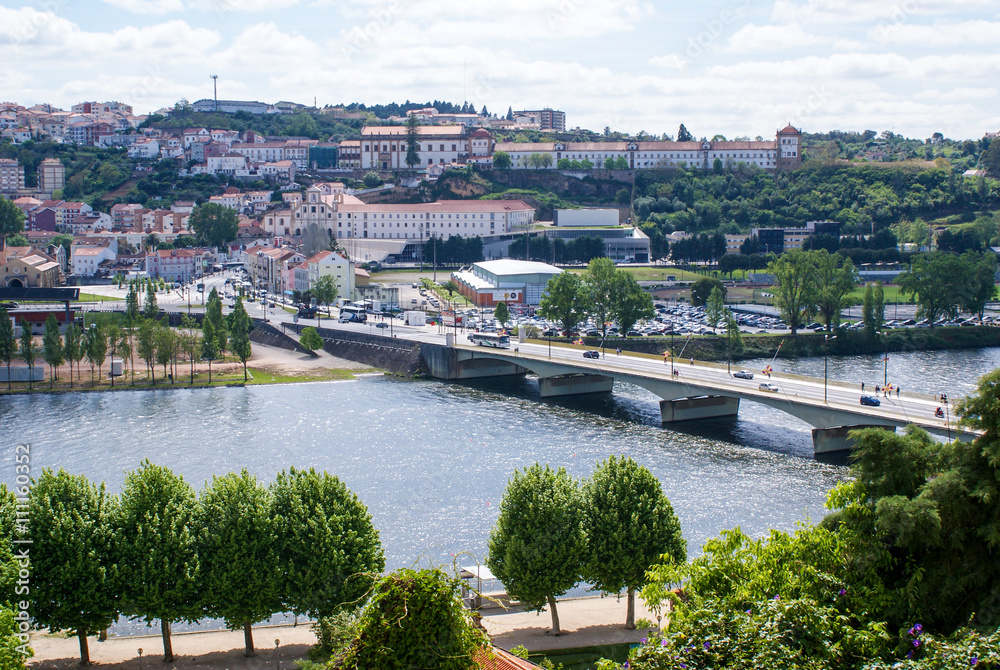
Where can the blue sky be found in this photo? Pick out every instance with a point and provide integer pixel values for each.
(735, 67)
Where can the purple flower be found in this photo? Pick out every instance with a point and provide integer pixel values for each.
(748, 611)
(663, 643)
(916, 643)
(644, 640)
(684, 666)
(909, 654)
(910, 632)
(707, 645)
(973, 661)
(777, 597)
(918, 628)
(842, 592)
(626, 664)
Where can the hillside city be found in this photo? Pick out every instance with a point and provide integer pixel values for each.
(655, 281)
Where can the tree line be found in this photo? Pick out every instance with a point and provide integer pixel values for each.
(544, 249)
(608, 529)
(239, 551)
(142, 333)
(602, 292)
(818, 284)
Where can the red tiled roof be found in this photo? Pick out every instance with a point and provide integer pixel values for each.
(500, 660)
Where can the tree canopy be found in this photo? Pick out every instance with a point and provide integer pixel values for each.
(214, 224)
(538, 546)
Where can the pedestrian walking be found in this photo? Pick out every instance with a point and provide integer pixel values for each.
(897, 391)
(692, 361)
(862, 387)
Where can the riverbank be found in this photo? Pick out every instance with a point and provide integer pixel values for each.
(267, 365)
(806, 344)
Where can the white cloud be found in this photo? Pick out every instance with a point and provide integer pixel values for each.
(223, 6)
(148, 6)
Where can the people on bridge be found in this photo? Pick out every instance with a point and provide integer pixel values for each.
(862, 387)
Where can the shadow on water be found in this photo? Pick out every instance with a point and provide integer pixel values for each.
(757, 426)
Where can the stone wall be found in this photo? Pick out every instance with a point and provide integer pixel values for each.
(400, 357)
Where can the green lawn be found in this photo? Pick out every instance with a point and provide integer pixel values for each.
(93, 297)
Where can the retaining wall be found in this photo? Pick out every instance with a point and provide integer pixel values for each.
(265, 333)
(400, 357)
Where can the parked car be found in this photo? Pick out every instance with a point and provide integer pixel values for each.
(770, 388)
(381, 324)
(591, 354)
(743, 374)
(870, 401)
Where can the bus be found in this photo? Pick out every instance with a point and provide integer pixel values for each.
(353, 314)
(495, 340)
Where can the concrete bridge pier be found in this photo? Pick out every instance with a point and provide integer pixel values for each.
(836, 439)
(698, 407)
(578, 384)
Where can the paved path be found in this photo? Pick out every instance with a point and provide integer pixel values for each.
(585, 622)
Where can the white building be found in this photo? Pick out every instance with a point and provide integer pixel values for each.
(86, 259)
(330, 264)
(782, 152)
(384, 147)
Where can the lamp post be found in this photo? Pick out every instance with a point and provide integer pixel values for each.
(826, 340)
(140, 658)
(277, 654)
(885, 360)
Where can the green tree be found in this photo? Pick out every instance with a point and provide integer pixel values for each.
(146, 345)
(158, 557)
(13, 652)
(132, 305)
(8, 343)
(630, 527)
(795, 291)
(538, 546)
(564, 300)
(166, 346)
(502, 160)
(630, 303)
(73, 585)
(28, 349)
(938, 283)
(325, 291)
(310, 339)
(236, 552)
(405, 606)
(371, 179)
(980, 276)
(991, 158)
(52, 347)
(190, 341)
(150, 310)
(835, 280)
(11, 219)
(209, 345)
(683, 135)
(215, 225)
(329, 553)
(412, 142)
(239, 339)
(715, 307)
(702, 289)
(501, 314)
(73, 347)
(873, 308)
(95, 346)
(734, 341)
(213, 312)
(599, 284)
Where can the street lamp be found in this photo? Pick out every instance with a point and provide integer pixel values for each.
(826, 340)
(277, 653)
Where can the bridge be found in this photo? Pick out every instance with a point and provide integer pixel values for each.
(691, 392)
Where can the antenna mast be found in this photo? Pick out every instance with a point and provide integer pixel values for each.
(215, 90)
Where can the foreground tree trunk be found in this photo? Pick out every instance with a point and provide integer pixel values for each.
(248, 639)
(168, 650)
(630, 616)
(555, 617)
(84, 648)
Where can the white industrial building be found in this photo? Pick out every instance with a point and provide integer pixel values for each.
(509, 281)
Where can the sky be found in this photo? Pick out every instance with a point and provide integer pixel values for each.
(730, 67)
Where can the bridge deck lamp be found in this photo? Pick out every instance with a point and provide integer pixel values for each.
(826, 340)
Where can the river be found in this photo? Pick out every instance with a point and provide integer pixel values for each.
(431, 460)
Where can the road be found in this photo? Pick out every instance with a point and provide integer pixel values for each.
(909, 407)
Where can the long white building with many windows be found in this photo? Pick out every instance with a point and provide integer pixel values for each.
(343, 216)
(782, 152)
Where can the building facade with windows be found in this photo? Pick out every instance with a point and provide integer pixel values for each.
(384, 147)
